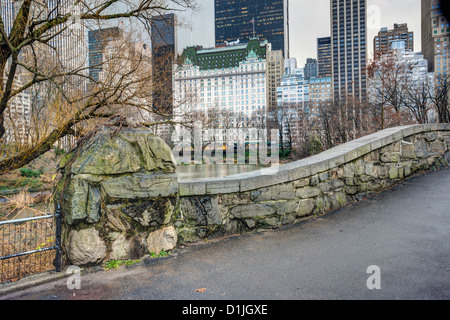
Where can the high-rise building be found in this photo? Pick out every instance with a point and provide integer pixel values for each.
(9, 9)
(324, 57)
(310, 68)
(98, 40)
(275, 71)
(246, 19)
(293, 103)
(382, 43)
(435, 37)
(164, 49)
(348, 37)
(320, 95)
(228, 86)
(68, 44)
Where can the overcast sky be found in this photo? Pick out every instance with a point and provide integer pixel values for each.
(309, 20)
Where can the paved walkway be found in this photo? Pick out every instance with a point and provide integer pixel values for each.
(404, 231)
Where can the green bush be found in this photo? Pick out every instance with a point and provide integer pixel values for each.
(29, 173)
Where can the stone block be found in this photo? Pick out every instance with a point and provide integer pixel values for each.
(371, 170)
(150, 213)
(359, 167)
(252, 210)
(164, 239)
(323, 205)
(383, 172)
(75, 201)
(431, 136)
(363, 150)
(305, 207)
(320, 166)
(301, 183)
(331, 186)
(308, 192)
(299, 172)
(438, 147)
(349, 170)
(277, 192)
(222, 186)
(202, 211)
(324, 176)
(351, 155)
(387, 140)
(284, 207)
(338, 200)
(389, 157)
(85, 247)
(124, 248)
(192, 188)
(269, 223)
(260, 179)
(140, 186)
(375, 145)
(336, 161)
(421, 149)
(351, 190)
(393, 172)
(408, 151)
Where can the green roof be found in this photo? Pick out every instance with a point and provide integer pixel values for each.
(225, 57)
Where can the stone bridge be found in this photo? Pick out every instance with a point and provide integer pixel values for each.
(132, 203)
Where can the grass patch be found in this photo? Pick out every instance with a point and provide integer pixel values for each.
(161, 254)
(115, 264)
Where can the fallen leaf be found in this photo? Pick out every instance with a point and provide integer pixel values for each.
(200, 290)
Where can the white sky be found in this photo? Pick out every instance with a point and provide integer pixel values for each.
(309, 20)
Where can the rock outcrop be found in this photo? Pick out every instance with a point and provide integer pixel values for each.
(118, 188)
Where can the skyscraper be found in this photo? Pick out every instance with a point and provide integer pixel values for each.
(324, 56)
(382, 43)
(245, 19)
(68, 44)
(348, 36)
(98, 40)
(164, 49)
(310, 68)
(9, 10)
(435, 37)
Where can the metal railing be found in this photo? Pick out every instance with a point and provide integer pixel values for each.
(29, 246)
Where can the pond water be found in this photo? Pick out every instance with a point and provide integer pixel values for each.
(191, 172)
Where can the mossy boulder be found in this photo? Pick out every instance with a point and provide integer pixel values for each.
(122, 182)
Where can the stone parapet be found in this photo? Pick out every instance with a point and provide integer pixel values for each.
(272, 197)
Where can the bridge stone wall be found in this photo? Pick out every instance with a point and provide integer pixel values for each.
(273, 197)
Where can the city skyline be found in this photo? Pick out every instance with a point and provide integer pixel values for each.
(314, 18)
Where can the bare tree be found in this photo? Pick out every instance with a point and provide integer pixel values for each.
(30, 62)
(388, 87)
(440, 98)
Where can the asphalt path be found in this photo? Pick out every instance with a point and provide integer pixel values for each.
(404, 232)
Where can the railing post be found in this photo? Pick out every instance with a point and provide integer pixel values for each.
(58, 257)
